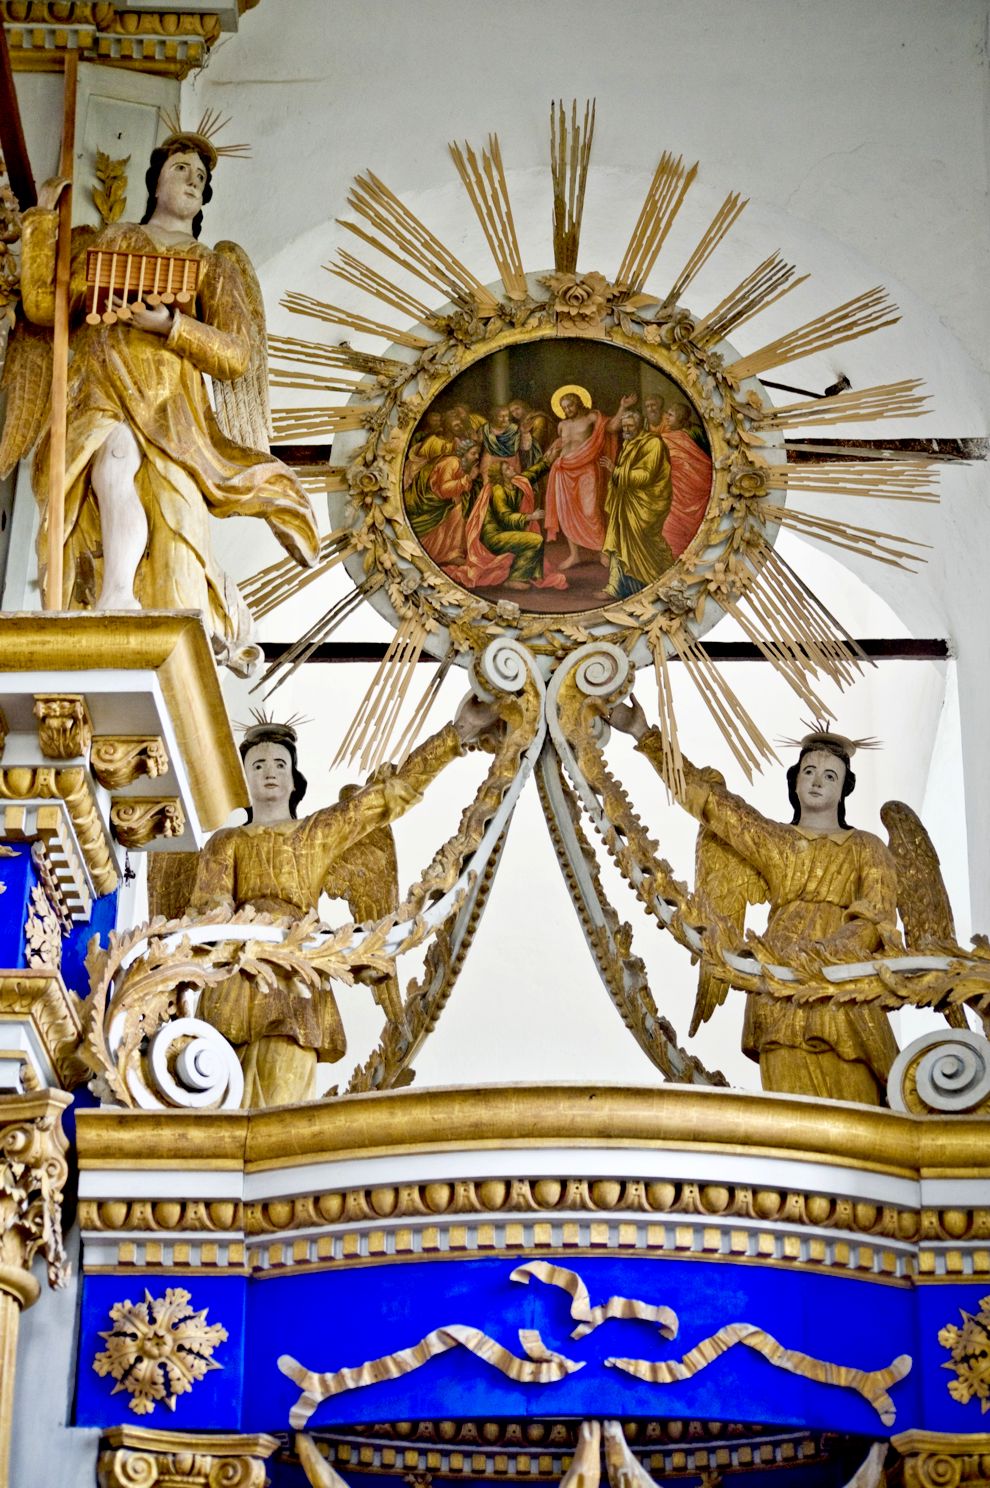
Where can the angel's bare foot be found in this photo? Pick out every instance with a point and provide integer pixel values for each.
(516, 584)
(569, 561)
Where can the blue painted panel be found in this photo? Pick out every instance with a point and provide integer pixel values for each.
(336, 1319)
(937, 1307)
(18, 875)
(213, 1403)
(346, 1319)
(74, 945)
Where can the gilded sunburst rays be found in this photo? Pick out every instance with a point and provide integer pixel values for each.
(777, 611)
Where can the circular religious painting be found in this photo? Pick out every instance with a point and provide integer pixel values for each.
(563, 474)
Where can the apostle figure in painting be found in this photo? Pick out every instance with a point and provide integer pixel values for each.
(653, 410)
(147, 461)
(832, 889)
(578, 476)
(636, 507)
(436, 503)
(534, 423)
(691, 478)
(507, 528)
(281, 866)
(504, 543)
(502, 439)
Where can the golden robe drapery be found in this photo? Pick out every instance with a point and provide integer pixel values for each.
(833, 894)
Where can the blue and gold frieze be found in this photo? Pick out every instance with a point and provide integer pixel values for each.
(524, 1253)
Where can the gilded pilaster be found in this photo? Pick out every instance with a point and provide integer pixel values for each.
(33, 1171)
(182, 1459)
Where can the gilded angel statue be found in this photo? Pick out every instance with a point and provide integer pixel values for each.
(834, 891)
(281, 864)
(148, 461)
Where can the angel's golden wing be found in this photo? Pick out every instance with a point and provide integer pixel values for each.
(243, 408)
(27, 384)
(922, 902)
(728, 883)
(366, 876)
(171, 880)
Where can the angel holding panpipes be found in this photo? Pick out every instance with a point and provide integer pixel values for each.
(834, 892)
(148, 461)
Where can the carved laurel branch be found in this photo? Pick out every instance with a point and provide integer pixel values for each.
(610, 940)
(138, 980)
(485, 821)
(584, 687)
(415, 588)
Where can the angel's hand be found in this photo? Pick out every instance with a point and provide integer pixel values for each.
(474, 718)
(629, 718)
(50, 191)
(157, 318)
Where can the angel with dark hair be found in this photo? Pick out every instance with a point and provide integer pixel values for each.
(834, 892)
(147, 459)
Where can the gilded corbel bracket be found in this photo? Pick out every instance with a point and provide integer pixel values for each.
(137, 822)
(118, 762)
(134, 1454)
(940, 1459)
(65, 729)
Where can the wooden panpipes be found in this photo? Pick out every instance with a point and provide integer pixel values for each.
(122, 280)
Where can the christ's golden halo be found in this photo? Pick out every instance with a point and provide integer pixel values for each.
(556, 401)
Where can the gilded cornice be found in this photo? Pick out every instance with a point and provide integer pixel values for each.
(42, 999)
(164, 41)
(532, 1116)
(752, 1180)
(173, 646)
(71, 784)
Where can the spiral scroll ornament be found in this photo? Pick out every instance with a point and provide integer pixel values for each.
(945, 1072)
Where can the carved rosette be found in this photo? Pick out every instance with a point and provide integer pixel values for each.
(65, 729)
(118, 762)
(137, 822)
(179, 1459)
(33, 1171)
(157, 1349)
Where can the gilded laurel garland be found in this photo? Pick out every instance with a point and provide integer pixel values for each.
(158, 1349)
(969, 1347)
(183, 958)
(943, 976)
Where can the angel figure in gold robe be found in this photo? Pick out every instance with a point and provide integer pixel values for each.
(147, 459)
(834, 891)
(280, 865)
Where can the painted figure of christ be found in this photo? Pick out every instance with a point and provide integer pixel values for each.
(578, 480)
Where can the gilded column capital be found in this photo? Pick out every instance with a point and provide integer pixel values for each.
(941, 1459)
(33, 1170)
(182, 1459)
(65, 729)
